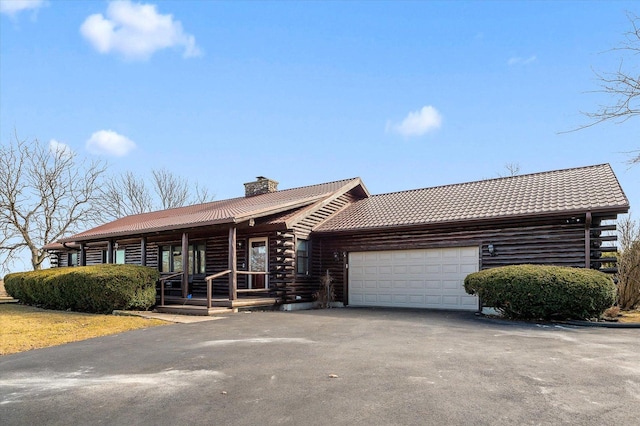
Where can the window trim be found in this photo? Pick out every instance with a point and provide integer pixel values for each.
(304, 259)
(197, 262)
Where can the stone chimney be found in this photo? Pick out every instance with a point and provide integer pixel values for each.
(262, 185)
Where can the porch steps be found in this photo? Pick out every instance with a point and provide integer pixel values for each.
(201, 303)
(193, 310)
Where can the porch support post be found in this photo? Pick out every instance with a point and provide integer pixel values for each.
(587, 241)
(233, 276)
(83, 255)
(110, 251)
(143, 251)
(185, 264)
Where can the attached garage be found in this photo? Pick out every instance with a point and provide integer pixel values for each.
(418, 278)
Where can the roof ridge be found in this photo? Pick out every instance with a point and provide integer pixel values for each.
(234, 198)
(493, 179)
(319, 184)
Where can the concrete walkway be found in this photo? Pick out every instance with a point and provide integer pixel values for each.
(180, 319)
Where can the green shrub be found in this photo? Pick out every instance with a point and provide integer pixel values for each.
(96, 289)
(543, 292)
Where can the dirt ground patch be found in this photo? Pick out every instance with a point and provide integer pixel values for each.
(23, 328)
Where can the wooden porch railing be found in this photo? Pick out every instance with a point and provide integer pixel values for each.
(210, 279)
(162, 280)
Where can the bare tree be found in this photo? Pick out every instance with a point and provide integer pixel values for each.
(172, 190)
(629, 263)
(131, 194)
(125, 195)
(176, 191)
(512, 168)
(45, 193)
(622, 85)
(201, 194)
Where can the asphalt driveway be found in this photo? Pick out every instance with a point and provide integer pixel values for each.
(338, 366)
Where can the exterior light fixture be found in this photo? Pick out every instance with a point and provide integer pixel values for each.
(492, 249)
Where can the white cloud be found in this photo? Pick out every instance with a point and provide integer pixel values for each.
(59, 147)
(136, 31)
(110, 143)
(12, 7)
(418, 123)
(517, 60)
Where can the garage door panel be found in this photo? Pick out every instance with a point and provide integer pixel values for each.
(385, 284)
(451, 285)
(371, 284)
(427, 278)
(416, 269)
(416, 299)
(466, 269)
(385, 270)
(450, 268)
(433, 269)
(400, 269)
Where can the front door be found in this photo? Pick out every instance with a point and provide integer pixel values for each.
(258, 262)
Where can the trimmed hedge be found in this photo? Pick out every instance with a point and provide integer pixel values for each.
(543, 292)
(95, 289)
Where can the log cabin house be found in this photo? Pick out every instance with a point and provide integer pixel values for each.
(404, 249)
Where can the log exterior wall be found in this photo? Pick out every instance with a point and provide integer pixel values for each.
(550, 242)
(556, 241)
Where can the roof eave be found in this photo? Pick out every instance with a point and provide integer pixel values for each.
(110, 235)
(230, 220)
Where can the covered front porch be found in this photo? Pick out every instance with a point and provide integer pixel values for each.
(262, 277)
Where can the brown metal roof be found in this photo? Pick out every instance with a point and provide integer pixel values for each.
(592, 188)
(217, 212)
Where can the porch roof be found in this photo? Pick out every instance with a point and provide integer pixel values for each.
(229, 211)
(568, 191)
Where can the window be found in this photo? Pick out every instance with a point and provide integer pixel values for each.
(118, 256)
(72, 259)
(302, 257)
(171, 258)
(197, 261)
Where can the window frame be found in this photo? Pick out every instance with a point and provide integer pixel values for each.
(105, 256)
(169, 253)
(303, 268)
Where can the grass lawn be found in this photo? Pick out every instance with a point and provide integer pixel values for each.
(23, 328)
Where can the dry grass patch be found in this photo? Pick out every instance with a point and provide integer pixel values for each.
(23, 328)
(630, 316)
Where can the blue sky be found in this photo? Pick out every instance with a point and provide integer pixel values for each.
(403, 94)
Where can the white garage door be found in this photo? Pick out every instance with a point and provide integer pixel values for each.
(424, 278)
